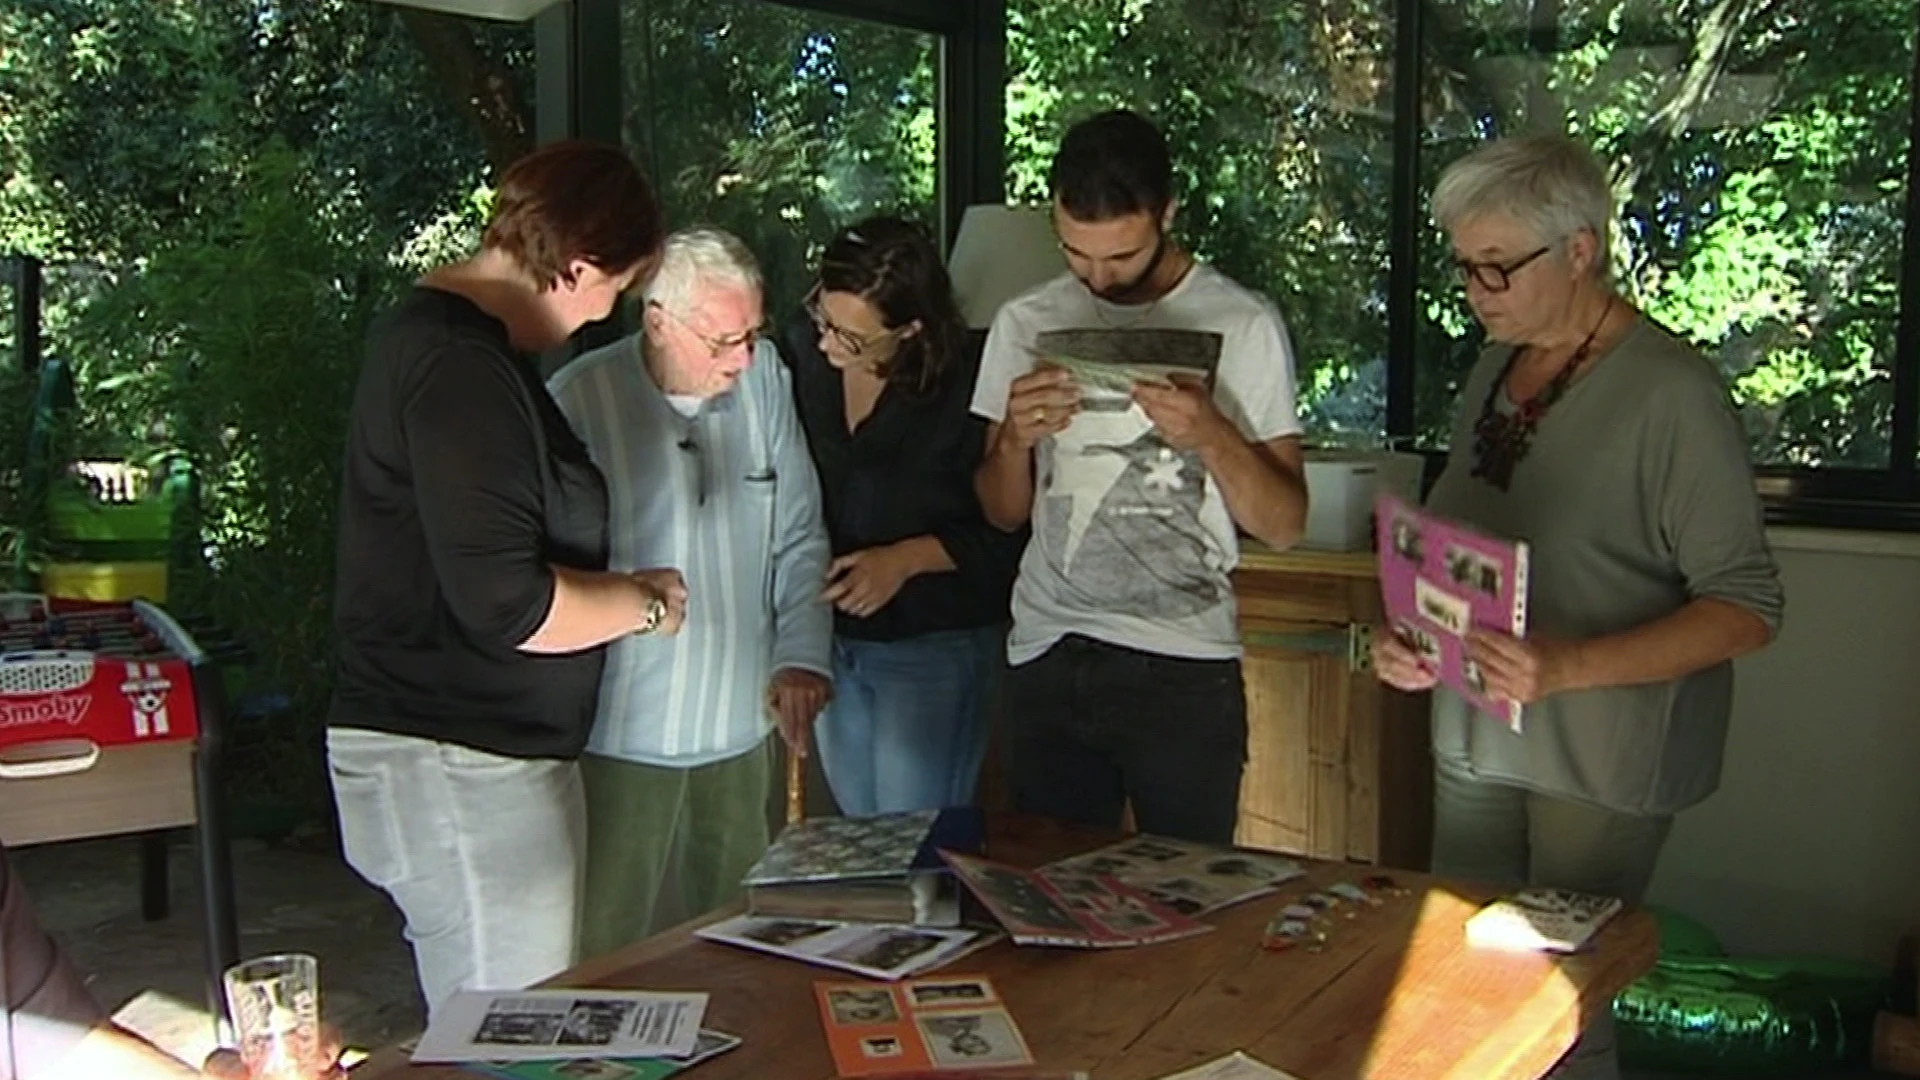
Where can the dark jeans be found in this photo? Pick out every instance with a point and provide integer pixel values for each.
(1092, 726)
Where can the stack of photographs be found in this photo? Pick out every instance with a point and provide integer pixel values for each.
(710, 1044)
(876, 950)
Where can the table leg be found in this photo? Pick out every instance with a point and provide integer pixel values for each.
(216, 854)
(155, 898)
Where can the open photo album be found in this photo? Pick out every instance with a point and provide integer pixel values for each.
(1439, 581)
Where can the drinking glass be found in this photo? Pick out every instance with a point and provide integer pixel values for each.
(275, 1002)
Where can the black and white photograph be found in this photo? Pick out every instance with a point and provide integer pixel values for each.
(1447, 611)
(1184, 895)
(1408, 541)
(1153, 849)
(1470, 672)
(1471, 570)
(1111, 866)
(591, 1069)
(594, 1023)
(1130, 921)
(519, 1028)
(887, 949)
(709, 1044)
(959, 991)
(1023, 901)
(1180, 902)
(972, 1040)
(1422, 643)
(880, 1046)
(1072, 885)
(785, 931)
(855, 1006)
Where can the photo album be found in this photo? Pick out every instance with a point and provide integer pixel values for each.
(1439, 580)
(880, 869)
(1074, 908)
(955, 1022)
(1192, 879)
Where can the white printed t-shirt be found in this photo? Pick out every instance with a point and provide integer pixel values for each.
(1132, 542)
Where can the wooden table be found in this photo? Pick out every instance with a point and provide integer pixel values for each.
(1395, 992)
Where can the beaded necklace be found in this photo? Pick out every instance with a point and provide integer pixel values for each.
(1500, 440)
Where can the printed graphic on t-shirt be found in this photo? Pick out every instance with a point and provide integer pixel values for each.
(1123, 515)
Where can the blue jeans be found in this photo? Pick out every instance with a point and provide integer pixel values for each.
(906, 729)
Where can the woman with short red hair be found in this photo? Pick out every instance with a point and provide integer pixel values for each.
(473, 597)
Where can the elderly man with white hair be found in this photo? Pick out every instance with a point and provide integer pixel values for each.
(692, 422)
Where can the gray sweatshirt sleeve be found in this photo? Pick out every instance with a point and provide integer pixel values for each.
(1708, 511)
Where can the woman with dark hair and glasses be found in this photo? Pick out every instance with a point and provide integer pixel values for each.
(1610, 446)
(882, 376)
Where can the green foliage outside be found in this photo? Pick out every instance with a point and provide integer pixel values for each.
(778, 124)
(225, 191)
(1279, 118)
(1758, 149)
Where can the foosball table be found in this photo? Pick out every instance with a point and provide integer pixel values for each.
(110, 723)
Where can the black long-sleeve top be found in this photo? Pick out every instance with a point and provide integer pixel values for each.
(907, 471)
(464, 484)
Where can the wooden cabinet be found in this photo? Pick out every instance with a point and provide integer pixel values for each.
(1338, 766)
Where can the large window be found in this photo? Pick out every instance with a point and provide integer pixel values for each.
(1280, 120)
(223, 193)
(780, 125)
(1759, 154)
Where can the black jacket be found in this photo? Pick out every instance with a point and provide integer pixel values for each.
(907, 471)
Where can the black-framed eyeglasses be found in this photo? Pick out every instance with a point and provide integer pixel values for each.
(717, 347)
(1493, 276)
(850, 341)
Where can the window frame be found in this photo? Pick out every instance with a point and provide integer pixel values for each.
(1842, 497)
(578, 68)
(578, 94)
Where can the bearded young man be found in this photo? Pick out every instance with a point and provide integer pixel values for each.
(1125, 684)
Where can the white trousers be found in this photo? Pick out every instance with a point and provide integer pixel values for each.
(483, 854)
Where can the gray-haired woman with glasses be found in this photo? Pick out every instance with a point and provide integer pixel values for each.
(1610, 446)
(882, 377)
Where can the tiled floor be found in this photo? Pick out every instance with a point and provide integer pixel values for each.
(289, 900)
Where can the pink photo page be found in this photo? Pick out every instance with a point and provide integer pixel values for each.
(1439, 580)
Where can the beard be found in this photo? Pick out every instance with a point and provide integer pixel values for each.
(1135, 291)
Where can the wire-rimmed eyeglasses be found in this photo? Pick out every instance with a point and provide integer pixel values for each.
(717, 347)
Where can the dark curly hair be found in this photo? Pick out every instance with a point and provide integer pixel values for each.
(893, 264)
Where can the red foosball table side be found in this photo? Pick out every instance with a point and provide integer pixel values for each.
(112, 726)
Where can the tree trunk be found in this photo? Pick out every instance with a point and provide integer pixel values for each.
(482, 88)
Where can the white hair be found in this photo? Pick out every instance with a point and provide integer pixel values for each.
(1550, 184)
(693, 258)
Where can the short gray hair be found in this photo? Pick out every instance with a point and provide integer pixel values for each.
(1548, 183)
(692, 258)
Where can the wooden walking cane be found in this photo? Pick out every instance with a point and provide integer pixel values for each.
(796, 769)
(796, 786)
